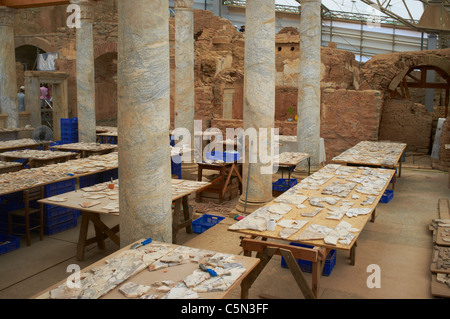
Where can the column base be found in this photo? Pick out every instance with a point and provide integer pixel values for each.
(250, 207)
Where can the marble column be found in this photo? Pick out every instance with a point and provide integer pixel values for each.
(184, 96)
(308, 110)
(85, 73)
(145, 195)
(32, 99)
(259, 98)
(8, 82)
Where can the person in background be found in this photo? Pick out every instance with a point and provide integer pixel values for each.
(21, 99)
(44, 95)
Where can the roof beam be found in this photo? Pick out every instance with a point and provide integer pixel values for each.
(20, 4)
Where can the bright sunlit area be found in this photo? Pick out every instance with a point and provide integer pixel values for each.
(415, 7)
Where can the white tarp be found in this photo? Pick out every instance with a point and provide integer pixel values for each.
(46, 61)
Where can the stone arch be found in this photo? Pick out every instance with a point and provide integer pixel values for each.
(109, 47)
(441, 63)
(43, 44)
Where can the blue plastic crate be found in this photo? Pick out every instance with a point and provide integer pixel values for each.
(175, 169)
(306, 266)
(8, 243)
(107, 175)
(60, 227)
(52, 211)
(69, 123)
(205, 222)
(227, 157)
(89, 180)
(283, 184)
(387, 196)
(69, 215)
(59, 187)
(11, 202)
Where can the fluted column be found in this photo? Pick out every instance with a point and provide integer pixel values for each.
(145, 194)
(8, 82)
(308, 110)
(259, 98)
(85, 73)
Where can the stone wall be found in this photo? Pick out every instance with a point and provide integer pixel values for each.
(348, 117)
(407, 122)
(444, 155)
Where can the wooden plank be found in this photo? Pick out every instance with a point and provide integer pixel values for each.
(307, 254)
(21, 4)
(298, 275)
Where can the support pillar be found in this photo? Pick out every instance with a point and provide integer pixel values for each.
(308, 110)
(32, 99)
(184, 74)
(259, 99)
(145, 195)
(85, 73)
(8, 82)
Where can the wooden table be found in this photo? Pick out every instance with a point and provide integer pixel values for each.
(7, 134)
(93, 213)
(36, 158)
(53, 173)
(87, 149)
(175, 274)
(9, 167)
(289, 160)
(22, 144)
(226, 171)
(374, 154)
(320, 248)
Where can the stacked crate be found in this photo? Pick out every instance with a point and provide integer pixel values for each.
(57, 218)
(9, 203)
(69, 130)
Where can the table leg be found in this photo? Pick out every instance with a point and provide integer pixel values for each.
(353, 254)
(298, 276)
(225, 186)
(82, 236)
(372, 219)
(187, 215)
(199, 178)
(98, 231)
(176, 219)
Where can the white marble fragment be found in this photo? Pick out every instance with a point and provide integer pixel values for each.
(312, 214)
(134, 290)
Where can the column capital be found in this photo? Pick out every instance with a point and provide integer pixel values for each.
(184, 4)
(7, 16)
(86, 8)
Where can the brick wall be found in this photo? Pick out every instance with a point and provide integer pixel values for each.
(407, 122)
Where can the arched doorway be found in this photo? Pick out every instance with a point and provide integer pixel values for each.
(418, 77)
(27, 56)
(418, 103)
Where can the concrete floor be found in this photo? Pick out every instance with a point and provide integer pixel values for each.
(399, 242)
